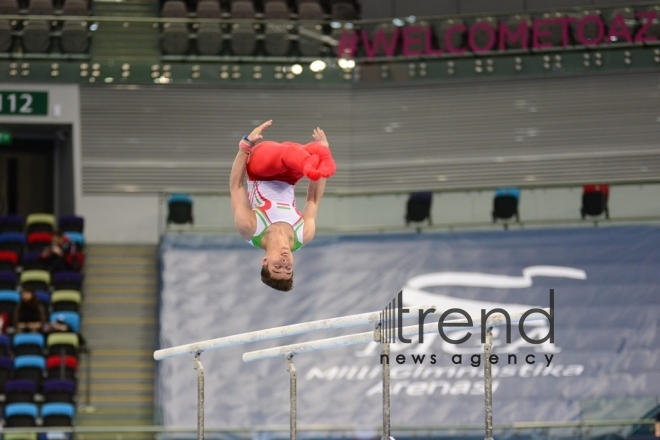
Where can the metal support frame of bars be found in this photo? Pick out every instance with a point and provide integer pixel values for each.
(376, 318)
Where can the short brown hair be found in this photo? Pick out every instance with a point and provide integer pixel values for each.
(283, 285)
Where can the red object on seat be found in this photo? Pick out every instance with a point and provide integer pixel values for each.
(9, 257)
(40, 237)
(54, 361)
(597, 187)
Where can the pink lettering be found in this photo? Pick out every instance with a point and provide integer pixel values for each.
(521, 33)
(412, 41)
(380, 40)
(565, 23)
(451, 31)
(491, 37)
(538, 33)
(600, 32)
(650, 17)
(619, 30)
(429, 50)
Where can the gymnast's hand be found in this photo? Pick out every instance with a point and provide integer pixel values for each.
(256, 136)
(319, 136)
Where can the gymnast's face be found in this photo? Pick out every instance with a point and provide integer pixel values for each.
(279, 264)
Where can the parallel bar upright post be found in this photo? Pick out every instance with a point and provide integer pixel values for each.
(386, 390)
(293, 380)
(200, 395)
(488, 384)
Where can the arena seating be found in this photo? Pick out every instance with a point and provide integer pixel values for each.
(38, 371)
(246, 39)
(41, 36)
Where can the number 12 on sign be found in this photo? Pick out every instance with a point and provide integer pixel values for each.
(24, 103)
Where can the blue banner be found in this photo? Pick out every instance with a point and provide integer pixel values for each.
(606, 323)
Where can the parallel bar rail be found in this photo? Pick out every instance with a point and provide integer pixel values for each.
(360, 338)
(372, 318)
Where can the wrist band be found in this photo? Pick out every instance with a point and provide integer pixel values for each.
(247, 139)
(246, 144)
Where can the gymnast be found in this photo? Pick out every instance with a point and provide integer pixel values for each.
(266, 214)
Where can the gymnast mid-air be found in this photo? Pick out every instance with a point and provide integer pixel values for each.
(265, 213)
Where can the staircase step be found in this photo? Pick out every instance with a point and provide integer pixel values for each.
(96, 312)
(109, 289)
(121, 327)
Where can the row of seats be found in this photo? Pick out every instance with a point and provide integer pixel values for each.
(37, 368)
(34, 242)
(35, 35)
(28, 414)
(11, 261)
(23, 344)
(336, 9)
(277, 38)
(41, 280)
(41, 222)
(8, 304)
(58, 301)
(53, 390)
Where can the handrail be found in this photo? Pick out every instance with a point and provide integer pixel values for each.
(133, 19)
(282, 428)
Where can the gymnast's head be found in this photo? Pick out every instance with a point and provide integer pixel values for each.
(277, 269)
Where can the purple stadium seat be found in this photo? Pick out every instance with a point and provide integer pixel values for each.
(6, 367)
(32, 261)
(5, 350)
(8, 280)
(67, 280)
(12, 223)
(56, 390)
(71, 223)
(20, 390)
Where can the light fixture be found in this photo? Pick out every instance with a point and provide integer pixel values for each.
(346, 64)
(296, 69)
(317, 66)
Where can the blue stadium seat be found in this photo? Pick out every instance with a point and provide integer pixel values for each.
(511, 191)
(72, 319)
(12, 241)
(505, 204)
(8, 301)
(76, 237)
(28, 344)
(30, 367)
(43, 296)
(179, 208)
(21, 415)
(57, 414)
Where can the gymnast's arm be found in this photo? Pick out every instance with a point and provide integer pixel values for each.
(314, 193)
(244, 218)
